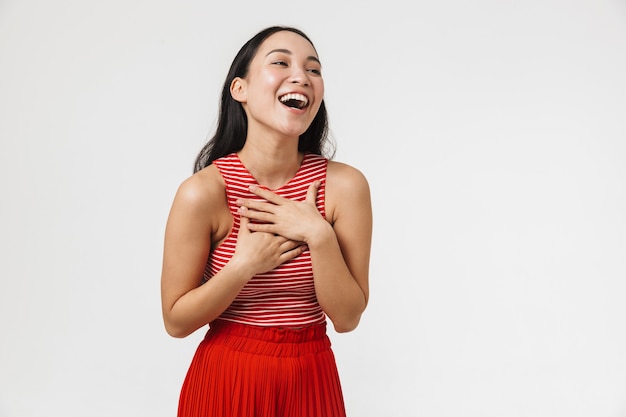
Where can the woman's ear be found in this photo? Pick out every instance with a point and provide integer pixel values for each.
(238, 89)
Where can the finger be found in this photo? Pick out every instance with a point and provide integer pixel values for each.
(261, 227)
(311, 193)
(290, 245)
(254, 205)
(266, 194)
(290, 254)
(244, 224)
(255, 215)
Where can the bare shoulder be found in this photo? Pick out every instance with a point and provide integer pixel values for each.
(200, 205)
(202, 190)
(347, 189)
(342, 177)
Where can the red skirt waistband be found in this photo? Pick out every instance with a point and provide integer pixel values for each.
(272, 341)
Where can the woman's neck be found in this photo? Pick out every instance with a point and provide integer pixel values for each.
(271, 166)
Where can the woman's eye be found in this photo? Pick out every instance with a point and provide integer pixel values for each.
(315, 71)
(283, 63)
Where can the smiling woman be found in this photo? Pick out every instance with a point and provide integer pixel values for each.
(266, 240)
(295, 100)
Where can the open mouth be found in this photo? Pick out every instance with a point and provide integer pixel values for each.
(294, 100)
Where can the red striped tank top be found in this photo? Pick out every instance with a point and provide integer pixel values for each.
(284, 296)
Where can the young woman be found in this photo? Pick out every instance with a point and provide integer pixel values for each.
(266, 240)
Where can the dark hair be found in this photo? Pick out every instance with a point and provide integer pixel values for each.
(232, 124)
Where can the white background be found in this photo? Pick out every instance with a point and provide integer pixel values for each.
(493, 134)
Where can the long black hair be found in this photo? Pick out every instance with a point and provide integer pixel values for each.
(232, 124)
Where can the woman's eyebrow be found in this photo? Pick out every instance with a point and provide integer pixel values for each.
(288, 52)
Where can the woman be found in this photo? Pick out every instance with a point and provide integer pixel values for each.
(266, 240)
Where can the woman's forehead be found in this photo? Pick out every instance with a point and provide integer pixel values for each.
(286, 41)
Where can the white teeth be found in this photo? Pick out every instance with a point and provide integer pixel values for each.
(295, 96)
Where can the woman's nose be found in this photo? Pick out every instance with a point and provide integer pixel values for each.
(299, 76)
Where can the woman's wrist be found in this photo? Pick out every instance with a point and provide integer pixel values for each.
(239, 270)
(321, 236)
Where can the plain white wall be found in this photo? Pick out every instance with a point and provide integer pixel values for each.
(494, 138)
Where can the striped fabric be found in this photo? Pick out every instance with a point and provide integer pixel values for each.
(285, 296)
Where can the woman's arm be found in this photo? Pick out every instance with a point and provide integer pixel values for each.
(340, 245)
(341, 253)
(200, 217)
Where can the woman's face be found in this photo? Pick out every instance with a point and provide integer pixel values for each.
(284, 87)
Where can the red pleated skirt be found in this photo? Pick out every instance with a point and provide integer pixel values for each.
(253, 371)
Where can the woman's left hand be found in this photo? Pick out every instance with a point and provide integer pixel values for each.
(295, 220)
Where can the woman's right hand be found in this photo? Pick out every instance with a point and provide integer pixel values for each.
(259, 252)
